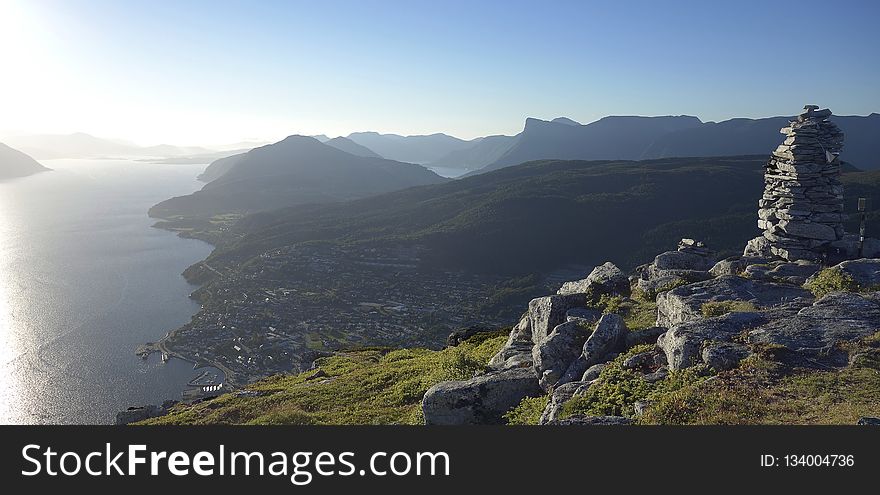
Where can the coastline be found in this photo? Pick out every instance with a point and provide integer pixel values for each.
(230, 380)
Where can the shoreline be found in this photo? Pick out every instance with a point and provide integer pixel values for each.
(146, 349)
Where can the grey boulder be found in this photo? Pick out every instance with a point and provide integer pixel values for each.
(593, 372)
(545, 313)
(686, 303)
(481, 400)
(608, 337)
(683, 343)
(722, 356)
(560, 396)
(552, 358)
(604, 279)
(865, 272)
(814, 330)
(517, 351)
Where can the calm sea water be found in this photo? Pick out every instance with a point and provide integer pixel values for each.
(84, 279)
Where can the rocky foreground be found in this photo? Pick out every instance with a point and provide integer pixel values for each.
(573, 356)
(685, 339)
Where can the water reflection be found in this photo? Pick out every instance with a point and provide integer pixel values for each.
(84, 279)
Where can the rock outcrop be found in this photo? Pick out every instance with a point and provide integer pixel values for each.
(552, 358)
(481, 400)
(604, 279)
(864, 272)
(815, 330)
(686, 303)
(683, 343)
(689, 263)
(517, 351)
(720, 313)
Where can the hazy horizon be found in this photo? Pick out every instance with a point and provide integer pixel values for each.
(208, 73)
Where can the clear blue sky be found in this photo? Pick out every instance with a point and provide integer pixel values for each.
(214, 71)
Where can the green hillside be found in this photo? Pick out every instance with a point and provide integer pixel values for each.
(536, 216)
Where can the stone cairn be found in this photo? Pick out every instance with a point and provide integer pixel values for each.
(801, 211)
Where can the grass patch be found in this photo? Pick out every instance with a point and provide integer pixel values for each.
(718, 308)
(528, 412)
(369, 386)
(831, 280)
(763, 392)
(637, 313)
(618, 389)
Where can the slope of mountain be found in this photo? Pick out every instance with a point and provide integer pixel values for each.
(14, 163)
(533, 217)
(609, 138)
(748, 136)
(403, 267)
(220, 166)
(294, 171)
(542, 215)
(349, 146)
(410, 149)
(485, 151)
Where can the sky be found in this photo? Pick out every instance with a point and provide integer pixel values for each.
(211, 72)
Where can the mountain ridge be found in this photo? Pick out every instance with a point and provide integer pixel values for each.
(296, 170)
(15, 163)
(418, 149)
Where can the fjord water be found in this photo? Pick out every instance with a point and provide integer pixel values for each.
(84, 279)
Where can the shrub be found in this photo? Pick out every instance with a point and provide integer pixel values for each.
(831, 280)
(610, 304)
(461, 365)
(638, 314)
(618, 389)
(528, 412)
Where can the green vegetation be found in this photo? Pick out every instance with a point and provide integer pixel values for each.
(528, 412)
(762, 391)
(369, 386)
(496, 222)
(718, 308)
(637, 313)
(618, 389)
(831, 280)
(381, 386)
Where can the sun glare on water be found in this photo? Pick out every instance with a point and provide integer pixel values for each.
(8, 390)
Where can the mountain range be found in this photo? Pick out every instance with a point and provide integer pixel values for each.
(410, 149)
(81, 145)
(614, 138)
(14, 163)
(296, 170)
(641, 138)
(610, 138)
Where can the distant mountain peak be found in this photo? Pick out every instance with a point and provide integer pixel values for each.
(411, 149)
(349, 146)
(565, 120)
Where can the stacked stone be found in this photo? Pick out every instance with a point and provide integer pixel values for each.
(801, 211)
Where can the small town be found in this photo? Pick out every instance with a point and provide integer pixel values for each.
(278, 314)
